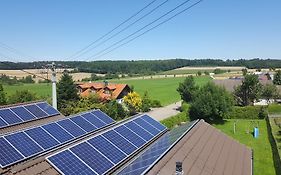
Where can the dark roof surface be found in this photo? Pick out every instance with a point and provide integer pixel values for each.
(205, 150)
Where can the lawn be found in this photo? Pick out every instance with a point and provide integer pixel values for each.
(42, 90)
(263, 160)
(162, 89)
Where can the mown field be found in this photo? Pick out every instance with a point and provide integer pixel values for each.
(162, 89)
(263, 160)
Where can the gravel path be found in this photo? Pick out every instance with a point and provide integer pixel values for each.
(165, 112)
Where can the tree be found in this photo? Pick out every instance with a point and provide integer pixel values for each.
(277, 78)
(3, 99)
(133, 101)
(146, 102)
(22, 96)
(244, 71)
(116, 110)
(212, 103)
(199, 73)
(269, 91)
(187, 89)
(248, 91)
(66, 90)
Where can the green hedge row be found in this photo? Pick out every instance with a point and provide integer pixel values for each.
(247, 112)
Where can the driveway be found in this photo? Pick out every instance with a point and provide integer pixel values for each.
(165, 112)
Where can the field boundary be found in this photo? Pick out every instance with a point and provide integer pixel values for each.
(275, 154)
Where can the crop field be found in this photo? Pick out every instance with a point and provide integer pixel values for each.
(162, 89)
(263, 159)
(194, 70)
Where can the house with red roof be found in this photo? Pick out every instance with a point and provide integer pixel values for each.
(106, 91)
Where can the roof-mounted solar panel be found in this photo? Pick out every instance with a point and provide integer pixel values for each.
(30, 142)
(101, 153)
(24, 113)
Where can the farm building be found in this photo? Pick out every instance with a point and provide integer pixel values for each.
(42, 141)
(106, 91)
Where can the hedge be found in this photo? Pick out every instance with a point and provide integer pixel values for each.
(247, 112)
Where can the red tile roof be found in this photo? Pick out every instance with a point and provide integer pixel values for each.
(115, 90)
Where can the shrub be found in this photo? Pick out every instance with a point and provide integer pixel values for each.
(155, 104)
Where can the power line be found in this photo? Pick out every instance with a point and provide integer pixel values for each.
(15, 51)
(141, 28)
(21, 69)
(100, 38)
(189, 7)
(125, 28)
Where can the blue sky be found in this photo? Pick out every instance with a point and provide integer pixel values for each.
(225, 29)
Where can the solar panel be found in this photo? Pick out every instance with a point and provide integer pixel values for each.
(40, 136)
(152, 153)
(47, 108)
(23, 113)
(9, 116)
(102, 116)
(139, 130)
(67, 163)
(120, 142)
(94, 120)
(24, 144)
(84, 124)
(152, 130)
(72, 128)
(8, 154)
(2, 123)
(153, 122)
(131, 136)
(35, 110)
(92, 157)
(105, 151)
(58, 132)
(107, 148)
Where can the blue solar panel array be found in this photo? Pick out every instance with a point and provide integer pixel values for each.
(101, 153)
(148, 158)
(21, 145)
(24, 113)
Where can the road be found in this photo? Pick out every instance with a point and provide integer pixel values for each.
(165, 112)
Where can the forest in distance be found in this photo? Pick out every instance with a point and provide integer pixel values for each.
(142, 66)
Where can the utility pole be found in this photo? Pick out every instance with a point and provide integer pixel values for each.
(54, 87)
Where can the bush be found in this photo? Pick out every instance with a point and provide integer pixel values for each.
(175, 120)
(247, 112)
(155, 104)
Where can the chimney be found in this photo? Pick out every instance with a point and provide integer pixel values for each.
(105, 83)
(179, 170)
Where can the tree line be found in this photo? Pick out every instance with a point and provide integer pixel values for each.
(142, 66)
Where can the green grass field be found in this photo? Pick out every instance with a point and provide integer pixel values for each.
(263, 160)
(41, 90)
(162, 89)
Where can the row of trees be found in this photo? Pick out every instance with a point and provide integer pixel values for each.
(144, 66)
(4, 79)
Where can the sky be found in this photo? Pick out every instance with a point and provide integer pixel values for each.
(217, 29)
